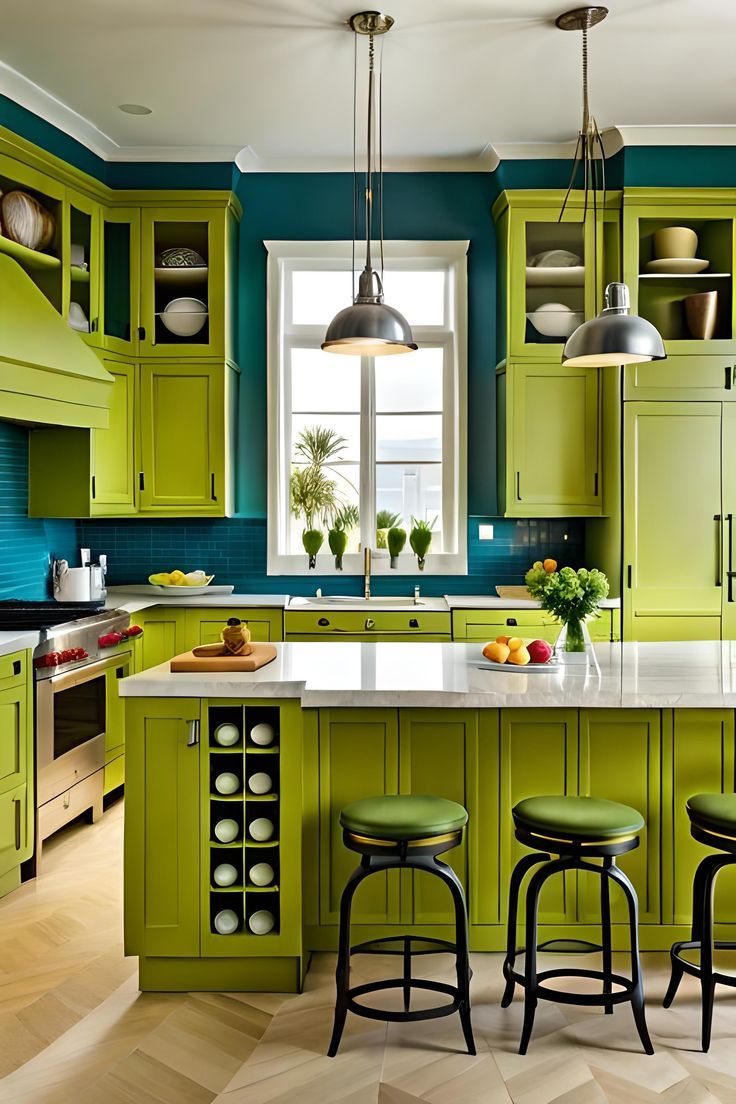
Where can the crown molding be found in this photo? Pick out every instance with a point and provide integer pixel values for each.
(703, 134)
(248, 161)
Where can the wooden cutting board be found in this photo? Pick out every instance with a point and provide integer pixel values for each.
(213, 657)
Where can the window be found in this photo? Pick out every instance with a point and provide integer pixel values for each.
(401, 418)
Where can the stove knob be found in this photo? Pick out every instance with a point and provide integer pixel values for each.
(110, 640)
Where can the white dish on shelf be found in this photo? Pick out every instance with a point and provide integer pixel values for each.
(555, 320)
(226, 830)
(184, 317)
(574, 276)
(260, 829)
(677, 266)
(225, 874)
(226, 922)
(227, 734)
(261, 922)
(227, 783)
(262, 734)
(260, 783)
(175, 275)
(261, 874)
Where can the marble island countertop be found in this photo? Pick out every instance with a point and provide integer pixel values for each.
(700, 674)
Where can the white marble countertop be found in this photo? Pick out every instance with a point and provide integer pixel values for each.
(16, 640)
(492, 601)
(700, 674)
(132, 599)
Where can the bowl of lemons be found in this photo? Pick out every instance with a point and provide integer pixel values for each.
(180, 582)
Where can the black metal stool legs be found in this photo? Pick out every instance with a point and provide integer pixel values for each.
(530, 960)
(607, 955)
(517, 877)
(342, 973)
(637, 991)
(462, 957)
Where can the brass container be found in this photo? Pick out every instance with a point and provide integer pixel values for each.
(701, 313)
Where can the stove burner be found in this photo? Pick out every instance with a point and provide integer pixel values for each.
(19, 613)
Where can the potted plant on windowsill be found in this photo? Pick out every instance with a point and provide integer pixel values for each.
(344, 519)
(313, 491)
(572, 596)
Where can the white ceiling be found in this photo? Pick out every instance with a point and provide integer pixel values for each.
(273, 78)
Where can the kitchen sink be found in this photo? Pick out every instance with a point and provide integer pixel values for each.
(355, 602)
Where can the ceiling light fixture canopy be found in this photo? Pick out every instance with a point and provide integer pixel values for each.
(615, 336)
(369, 327)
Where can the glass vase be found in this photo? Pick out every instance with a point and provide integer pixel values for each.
(574, 642)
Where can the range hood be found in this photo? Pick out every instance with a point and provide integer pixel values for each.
(48, 376)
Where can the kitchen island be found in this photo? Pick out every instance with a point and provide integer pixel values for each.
(646, 724)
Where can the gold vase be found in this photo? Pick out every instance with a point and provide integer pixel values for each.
(701, 313)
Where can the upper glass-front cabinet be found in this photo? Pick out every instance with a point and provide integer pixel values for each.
(552, 271)
(81, 247)
(183, 259)
(120, 279)
(679, 262)
(32, 219)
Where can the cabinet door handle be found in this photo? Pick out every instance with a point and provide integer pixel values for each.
(94, 486)
(730, 370)
(628, 576)
(17, 666)
(729, 538)
(518, 486)
(719, 556)
(141, 333)
(595, 485)
(193, 736)
(511, 621)
(93, 326)
(16, 802)
(212, 487)
(141, 481)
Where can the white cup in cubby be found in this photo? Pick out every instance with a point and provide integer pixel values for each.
(226, 922)
(227, 783)
(225, 874)
(261, 874)
(227, 830)
(226, 735)
(260, 829)
(263, 734)
(261, 922)
(260, 783)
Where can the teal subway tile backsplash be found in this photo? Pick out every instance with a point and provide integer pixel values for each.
(235, 551)
(26, 543)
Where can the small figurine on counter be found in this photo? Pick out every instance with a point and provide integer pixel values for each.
(236, 637)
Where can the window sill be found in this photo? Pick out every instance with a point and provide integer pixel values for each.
(439, 564)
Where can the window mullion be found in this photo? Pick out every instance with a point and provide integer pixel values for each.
(367, 453)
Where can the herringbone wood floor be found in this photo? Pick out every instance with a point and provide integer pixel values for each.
(75, 1030)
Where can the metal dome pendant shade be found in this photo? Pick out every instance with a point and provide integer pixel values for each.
(615, 336)
(370, 327)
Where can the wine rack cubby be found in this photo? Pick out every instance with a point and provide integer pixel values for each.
(244, 806)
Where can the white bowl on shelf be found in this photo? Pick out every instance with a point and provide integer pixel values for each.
(184, 317)
(225, 874)
(262, 734)
(261, 922)
(261, 874)
(227, 783)
(260, 783)
(260, 829)
(226, 922)
(227, 734)
(226, 830)
(555, 320)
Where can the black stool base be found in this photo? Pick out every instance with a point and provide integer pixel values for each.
(459, 994)
(532, 981)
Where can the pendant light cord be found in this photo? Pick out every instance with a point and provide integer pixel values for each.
(369, 152)
(380, 151)
(355, 161)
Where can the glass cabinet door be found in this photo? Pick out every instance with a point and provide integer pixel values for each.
(82, 259)
(183, 282)
(120, 279)
(34, 242)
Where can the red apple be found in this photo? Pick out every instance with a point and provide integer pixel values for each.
(539, 651)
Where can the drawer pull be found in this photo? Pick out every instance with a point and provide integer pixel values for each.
(511, 621)
(413, 623)
(17, 665)
(16, 802)
(323, 621)
(370, 623)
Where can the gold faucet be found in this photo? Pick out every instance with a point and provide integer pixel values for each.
(367, 573)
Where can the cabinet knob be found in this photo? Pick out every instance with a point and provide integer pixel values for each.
(323, 621)
(511, 621)
(413, 623)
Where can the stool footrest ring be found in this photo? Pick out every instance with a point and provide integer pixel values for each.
(403, 1017)
(374, 946)
(561, 996)
(693, 968)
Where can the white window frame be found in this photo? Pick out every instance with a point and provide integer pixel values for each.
(283, 258)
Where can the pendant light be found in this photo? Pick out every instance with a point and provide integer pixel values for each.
(615, 336)
(369, 327)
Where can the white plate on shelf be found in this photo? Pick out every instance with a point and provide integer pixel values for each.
(194, 589)
(677, 266)
(539, 276)
(551, 666)
(184, 274)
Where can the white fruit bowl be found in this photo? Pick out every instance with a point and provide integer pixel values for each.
(555, 320)
(184, 317)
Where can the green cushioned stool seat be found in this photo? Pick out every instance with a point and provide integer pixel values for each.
(577, 818)
(714, 810)
(403, 816)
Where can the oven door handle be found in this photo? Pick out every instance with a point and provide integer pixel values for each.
(66, 679)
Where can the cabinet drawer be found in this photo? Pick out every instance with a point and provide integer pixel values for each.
(686, 378)
(13, 669)
(355, 623)
(57, 812)
(487, 624)
(204, 626)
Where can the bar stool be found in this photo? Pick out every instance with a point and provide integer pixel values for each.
(407, 832)
(712, 822)
(577, 829)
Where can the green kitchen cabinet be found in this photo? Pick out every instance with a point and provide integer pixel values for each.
(162, 829)
(659, 297)
(528, 223)
(164, 635)
(549, 440)
(114, 775)
(120, 285)
(83, 285)
(673, 521)
(433, 753)
(539, 755)
(206, 232)
(620, 757)
(17, 805)
(483, 625)
(683, 379)
(358, 757)
(701, 761)
(45, 267)
(112, 488)
(182, 451)
(365, 626)
(204, 626)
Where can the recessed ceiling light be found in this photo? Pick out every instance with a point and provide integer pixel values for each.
(135, 109)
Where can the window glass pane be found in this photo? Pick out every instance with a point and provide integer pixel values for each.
(419, 295)
(317, 296)
(410, 381)
(345, 425)
(414, 437)
(410, 490)
(346, 478)
(323, 381)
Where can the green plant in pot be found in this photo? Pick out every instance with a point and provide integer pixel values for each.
(385, 520)
(572, 596)
(345, 519)
(395, 539)
(420, 539)
(313, 493)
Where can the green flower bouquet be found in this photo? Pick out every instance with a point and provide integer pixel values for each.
(572, 596)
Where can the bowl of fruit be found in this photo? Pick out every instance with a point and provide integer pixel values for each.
(512, 653)
(180, 582)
